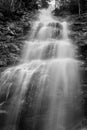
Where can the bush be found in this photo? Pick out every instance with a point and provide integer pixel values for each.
(8, 6)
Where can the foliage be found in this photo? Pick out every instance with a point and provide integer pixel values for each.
(12, 35)
(15, 20)
(83, 4)
(9, 7)
(72, 6)
(30, 4)
(78, 6)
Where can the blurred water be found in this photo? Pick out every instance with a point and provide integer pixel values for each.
(48, 63)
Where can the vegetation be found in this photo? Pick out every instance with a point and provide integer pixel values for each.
(71, 6)
(15, 21)
(16, 17)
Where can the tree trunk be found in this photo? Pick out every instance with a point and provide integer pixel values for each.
(79, 7)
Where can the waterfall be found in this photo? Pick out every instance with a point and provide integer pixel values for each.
(49, 72)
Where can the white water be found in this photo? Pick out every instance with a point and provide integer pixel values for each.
(48, 62)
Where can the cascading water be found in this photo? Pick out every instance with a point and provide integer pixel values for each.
(49, 71)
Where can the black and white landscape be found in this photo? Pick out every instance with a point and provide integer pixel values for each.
(43, 65)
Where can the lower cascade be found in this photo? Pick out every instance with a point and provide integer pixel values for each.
(43, 92)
